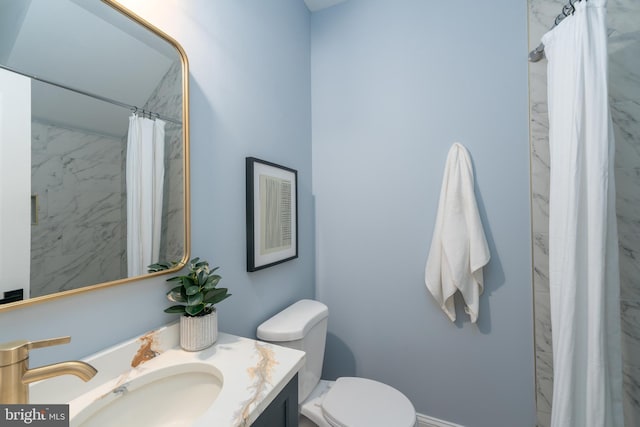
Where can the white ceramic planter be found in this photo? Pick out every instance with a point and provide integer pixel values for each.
(198, 333)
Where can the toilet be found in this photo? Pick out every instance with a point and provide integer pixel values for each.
(346, 402)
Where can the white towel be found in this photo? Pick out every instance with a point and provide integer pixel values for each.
(459, 247)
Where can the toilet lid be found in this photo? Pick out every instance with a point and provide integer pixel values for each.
(359, 402)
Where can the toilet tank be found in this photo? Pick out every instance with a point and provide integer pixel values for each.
(302, 326)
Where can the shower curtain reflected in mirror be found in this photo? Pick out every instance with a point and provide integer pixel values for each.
(145, 181)
(583, 244)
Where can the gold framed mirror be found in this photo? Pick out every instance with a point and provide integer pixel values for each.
(97, 80)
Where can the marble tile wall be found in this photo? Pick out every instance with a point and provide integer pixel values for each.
(167, 101)
(77, 177)
(624, 90)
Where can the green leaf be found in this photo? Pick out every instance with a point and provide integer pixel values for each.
(176, 288)
(175, 295)
(201, 264)
(222, 298)
(175, 309)
(215, 292)
(194, 310)
(192, 290)
(216, 296)
(193, 262)
(201, 277)
(211, 282)
(160, 266)
(185, 280)
(195, 299)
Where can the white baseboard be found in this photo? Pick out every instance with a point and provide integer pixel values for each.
(427, 421)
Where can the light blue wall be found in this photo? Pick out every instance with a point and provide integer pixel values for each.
(250, 95)
(394, 84)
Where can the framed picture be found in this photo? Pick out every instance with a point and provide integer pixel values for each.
(272, 214)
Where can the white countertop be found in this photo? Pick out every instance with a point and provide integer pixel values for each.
(253, 373)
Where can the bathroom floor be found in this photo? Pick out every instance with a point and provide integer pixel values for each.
(304, 422)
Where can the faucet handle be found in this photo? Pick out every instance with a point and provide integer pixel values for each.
(16, 351)
(48, 342)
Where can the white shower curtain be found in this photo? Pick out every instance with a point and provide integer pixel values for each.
(145, 181)
(583, 244)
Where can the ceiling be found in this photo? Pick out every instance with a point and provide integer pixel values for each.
(88, 46)
(316, 5)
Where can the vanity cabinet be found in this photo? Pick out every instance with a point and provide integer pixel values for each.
(283, 410)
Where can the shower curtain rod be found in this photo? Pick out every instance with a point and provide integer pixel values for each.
(133, 108)
(568, 9)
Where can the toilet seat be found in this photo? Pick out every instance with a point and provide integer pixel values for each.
(360, 402)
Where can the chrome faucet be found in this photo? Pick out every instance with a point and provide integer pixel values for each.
(15, 375)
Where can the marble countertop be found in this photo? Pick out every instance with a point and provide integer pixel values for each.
(253, 373)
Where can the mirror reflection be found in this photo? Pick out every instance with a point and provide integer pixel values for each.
(105, 167)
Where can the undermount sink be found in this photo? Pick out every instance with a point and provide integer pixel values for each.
(171, 396)
(149, 380)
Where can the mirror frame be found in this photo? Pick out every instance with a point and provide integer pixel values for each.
(186, 174)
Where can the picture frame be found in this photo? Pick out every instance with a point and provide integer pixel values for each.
(272, 214)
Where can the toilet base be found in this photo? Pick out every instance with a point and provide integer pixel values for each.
(305, 422)
(311, 408)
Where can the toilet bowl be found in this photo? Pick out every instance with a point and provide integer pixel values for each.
(346, 402)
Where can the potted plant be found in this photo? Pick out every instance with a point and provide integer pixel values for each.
(196, 296)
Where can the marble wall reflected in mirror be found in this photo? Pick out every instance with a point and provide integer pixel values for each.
(79, 142)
